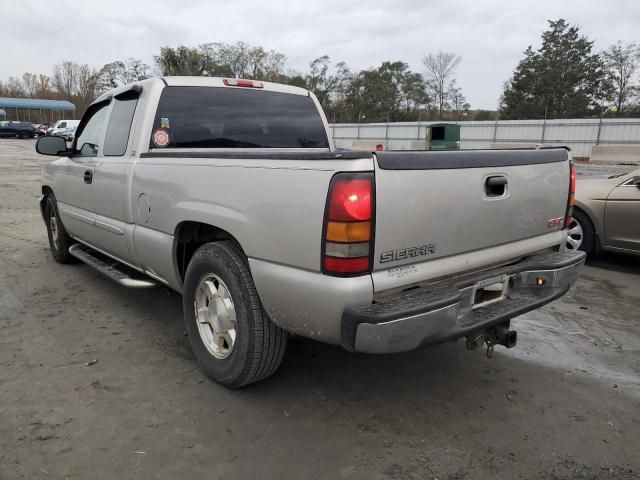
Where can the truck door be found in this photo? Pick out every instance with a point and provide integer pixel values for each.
(622, 216)
(74, 189)
(109, 183)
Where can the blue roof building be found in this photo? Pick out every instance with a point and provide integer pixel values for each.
(23, 107)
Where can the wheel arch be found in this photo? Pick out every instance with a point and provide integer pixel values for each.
(190, 235)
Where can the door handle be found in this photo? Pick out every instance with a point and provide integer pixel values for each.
(88, 176)
(495, 186)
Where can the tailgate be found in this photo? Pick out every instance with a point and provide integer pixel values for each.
(460, 204)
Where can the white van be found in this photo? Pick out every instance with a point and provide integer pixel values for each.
(63, 126)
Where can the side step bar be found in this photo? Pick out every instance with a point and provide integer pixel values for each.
(111, 268)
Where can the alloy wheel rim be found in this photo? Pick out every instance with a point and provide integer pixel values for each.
(215, 316)
(575, 235)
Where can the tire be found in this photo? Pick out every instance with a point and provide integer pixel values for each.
(218, 287)
(59, 239)
(582, 232)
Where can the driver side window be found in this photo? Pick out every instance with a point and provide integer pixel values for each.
(91, 132)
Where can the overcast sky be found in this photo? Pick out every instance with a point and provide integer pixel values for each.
(490, 35)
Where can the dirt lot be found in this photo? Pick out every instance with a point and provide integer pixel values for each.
(564, 404)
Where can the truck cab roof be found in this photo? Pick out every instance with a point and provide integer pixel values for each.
(187, 81)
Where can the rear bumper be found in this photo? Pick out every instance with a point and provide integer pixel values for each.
(443, 311)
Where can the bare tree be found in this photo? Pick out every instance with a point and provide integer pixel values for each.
(622, 61)
(87, 84)
(243, 61)
(325, 85)
(440, 69)
(65, 79)
(458, 100)
(45, 89)
(30, 84)
(137, 70)
(76, 83)
(13, 88)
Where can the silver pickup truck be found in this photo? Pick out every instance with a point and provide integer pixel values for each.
(231, 193)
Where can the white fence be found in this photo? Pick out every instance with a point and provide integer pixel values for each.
(579, 134)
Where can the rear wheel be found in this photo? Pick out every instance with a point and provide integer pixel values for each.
(231, 335)
(59, 239)
(581, 234)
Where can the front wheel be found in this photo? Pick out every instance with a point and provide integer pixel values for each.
(231, 335)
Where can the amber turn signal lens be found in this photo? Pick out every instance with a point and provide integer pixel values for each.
(348, 231)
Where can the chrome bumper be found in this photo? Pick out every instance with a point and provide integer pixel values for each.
(444, 311)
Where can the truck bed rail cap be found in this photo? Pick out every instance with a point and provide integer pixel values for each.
(260, 155)
(436, 160)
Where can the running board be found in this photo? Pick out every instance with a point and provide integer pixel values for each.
(111, 268)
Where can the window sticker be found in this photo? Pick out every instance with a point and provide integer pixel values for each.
(161, 138)
(164, 122)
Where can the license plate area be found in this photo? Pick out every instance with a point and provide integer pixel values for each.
(489, 291)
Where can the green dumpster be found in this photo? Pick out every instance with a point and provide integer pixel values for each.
(443, 136)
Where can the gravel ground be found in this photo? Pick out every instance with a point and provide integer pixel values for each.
(565, 403)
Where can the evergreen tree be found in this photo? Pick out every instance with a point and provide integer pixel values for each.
(562, 79)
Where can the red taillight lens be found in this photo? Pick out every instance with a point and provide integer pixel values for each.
(347, 244)
(350, 200)
(572, 196)
(346, 265)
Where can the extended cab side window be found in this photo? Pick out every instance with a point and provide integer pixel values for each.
(117, 137)
(90, 130)
(220, 117)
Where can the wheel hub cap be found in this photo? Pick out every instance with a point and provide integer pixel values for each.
(574, 235)
(215, 316)
(53, 224)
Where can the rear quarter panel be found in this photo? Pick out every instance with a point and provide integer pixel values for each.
(274, 208)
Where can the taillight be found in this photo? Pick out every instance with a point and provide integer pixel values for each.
(237, 82)
(572, 195)
(347, 245)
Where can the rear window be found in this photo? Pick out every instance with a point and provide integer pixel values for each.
(218, 117)
(117, 137)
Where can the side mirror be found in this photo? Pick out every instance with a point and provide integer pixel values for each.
(51, 145)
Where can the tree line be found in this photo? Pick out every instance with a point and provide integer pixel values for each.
(391, 91)
(564, 78)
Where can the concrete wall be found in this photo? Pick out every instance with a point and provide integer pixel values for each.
(578, 134)
(616, 153)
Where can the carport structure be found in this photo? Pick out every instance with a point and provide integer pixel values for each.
(36, 110)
